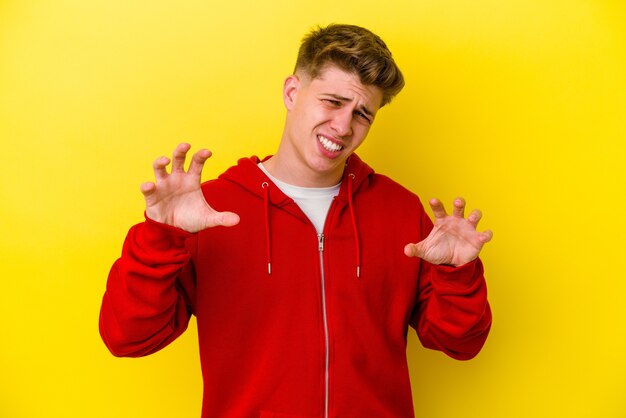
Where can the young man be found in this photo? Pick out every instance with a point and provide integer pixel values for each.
(302, 269)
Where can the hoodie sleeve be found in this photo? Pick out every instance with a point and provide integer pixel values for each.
(452, 313)
(150, 291)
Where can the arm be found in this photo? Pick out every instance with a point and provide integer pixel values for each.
(452, 312)
(150, 291)
(151, 287)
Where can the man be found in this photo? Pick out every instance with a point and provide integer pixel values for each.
(301, 268)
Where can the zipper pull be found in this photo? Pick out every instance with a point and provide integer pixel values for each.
(320, 241)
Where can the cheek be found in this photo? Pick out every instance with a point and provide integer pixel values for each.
(315, 118)
(360, 132)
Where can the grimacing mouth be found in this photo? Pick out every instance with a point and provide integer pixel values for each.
(328, 144)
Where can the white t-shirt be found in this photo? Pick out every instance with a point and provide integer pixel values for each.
(314, 201)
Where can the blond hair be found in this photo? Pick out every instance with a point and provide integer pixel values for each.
(353, 49)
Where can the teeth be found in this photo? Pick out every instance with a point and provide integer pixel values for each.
(329, 145)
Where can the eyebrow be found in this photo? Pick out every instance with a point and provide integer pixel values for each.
(362, 108)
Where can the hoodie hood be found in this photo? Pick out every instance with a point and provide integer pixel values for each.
(247, 175)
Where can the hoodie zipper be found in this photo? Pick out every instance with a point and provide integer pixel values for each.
(320, 240)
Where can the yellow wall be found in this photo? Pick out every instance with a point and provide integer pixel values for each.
(518, 105)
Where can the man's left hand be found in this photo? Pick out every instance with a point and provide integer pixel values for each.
(454, 239)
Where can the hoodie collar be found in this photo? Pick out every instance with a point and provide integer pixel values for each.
(247, 175)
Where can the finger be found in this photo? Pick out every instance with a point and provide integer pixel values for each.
(474, 217)
(459, 207)
(198, 160)
(158, 166)
(226, 218)
(147, 188)
(412, 250)
(178, 157)
(438, 209)
(485, 236)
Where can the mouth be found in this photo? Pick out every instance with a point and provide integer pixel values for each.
(329, 145)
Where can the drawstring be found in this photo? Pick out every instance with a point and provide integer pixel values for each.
(354, 228)
(357, 245)
(266, 201)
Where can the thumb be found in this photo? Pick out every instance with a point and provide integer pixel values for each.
(413, 250)
(226, 219)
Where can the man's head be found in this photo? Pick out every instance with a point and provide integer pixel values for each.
(353, 49)
(343, 76)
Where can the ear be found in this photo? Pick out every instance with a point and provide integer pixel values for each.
(290, 90)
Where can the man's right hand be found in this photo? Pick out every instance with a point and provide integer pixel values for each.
(176, 198)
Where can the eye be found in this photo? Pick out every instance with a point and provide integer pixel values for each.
(363, 117)
(335, 103)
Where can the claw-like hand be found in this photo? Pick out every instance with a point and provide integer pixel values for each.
(176, 198)
(454, 239)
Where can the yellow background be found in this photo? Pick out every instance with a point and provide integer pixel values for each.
(518, 105)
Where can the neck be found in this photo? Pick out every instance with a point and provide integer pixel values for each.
(284, 169)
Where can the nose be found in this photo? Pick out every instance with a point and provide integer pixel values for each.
(341, 122)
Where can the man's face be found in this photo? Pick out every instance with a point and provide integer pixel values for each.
(328, 117)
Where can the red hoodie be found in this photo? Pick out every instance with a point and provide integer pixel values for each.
(323, 334)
